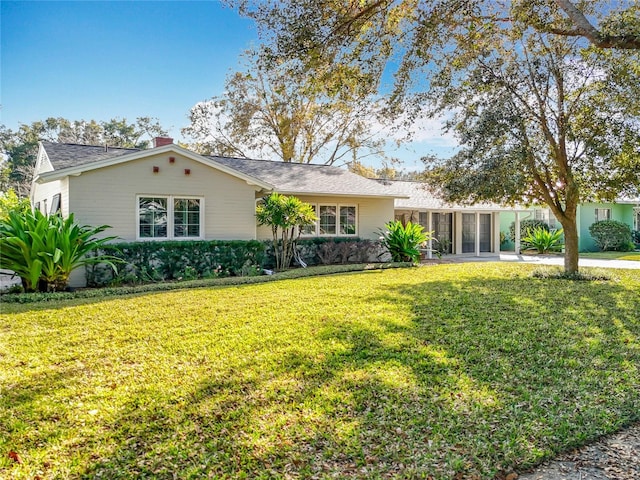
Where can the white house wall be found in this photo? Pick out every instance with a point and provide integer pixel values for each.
(46, 192)
(108, 196)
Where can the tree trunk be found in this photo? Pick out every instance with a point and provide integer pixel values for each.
(571, 256)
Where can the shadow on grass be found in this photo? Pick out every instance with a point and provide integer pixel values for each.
(469, 377)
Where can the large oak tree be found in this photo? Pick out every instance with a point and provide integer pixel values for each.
(542, 112)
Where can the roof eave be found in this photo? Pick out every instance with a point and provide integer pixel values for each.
(338, 194)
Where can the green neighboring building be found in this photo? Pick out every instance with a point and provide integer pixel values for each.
(626, 211)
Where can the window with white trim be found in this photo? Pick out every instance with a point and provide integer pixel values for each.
(310, 230)
(169, 217)
(333, 220)
(603, 214)
(56, 206)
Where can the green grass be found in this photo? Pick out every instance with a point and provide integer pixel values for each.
(467, 369)
(633, 256)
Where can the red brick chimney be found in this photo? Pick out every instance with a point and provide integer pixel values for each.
(162, 141)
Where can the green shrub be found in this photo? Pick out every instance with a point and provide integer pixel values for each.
(148, 262)
(612, 235)
(44, 250)
(332, 251)
(525, 226)
(10, 202)
(635, 236)
(543, 240)
(403, 241)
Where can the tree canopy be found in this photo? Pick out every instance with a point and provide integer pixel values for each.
(275, 109)
(542, 112)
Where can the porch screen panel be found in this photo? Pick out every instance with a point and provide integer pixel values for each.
(468, 232)
(442, 228)
(485, 232)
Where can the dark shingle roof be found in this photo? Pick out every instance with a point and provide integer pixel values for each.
(301, 178)
(285, 177)
(64, 155)
(421, 196)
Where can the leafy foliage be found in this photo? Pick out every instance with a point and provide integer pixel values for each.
(275, 109)
(147, 262)
(543, 240)
(525, 226)
(286, 215)
(10, 202)
(44, 250)
(612, 235)
(540, 114)
(403, 241)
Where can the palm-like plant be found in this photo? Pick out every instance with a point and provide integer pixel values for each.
(543, 240)
(403, 241)
(44, 250)
(286, 216)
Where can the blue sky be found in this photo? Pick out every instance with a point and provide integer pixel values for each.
(102, 60)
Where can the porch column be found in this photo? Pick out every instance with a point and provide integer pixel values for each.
(457, 231)
(517, 233)
(430, 223)
(477, 234)
(496, 232)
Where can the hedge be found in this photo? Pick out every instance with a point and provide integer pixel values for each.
(147, 262)
(150, 262)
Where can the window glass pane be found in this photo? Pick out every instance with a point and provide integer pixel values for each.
(186, 217)
(153, 217)
(55, 204)
(310, 229)
(347, 220)
(603, 214)
(327, 219)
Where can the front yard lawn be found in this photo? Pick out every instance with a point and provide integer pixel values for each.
(471, 369)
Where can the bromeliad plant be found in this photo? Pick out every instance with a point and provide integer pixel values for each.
(543, 240)
(403, 241)
(44, 250)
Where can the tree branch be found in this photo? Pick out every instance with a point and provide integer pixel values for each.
(586, 29)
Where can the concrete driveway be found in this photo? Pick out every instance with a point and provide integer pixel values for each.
(545, 260)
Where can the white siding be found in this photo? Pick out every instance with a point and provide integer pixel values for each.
(108, 196)
(372, 213)
(46, 191)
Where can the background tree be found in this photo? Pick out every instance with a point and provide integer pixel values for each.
(275, 109)
(20, 147)
(541, 115)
